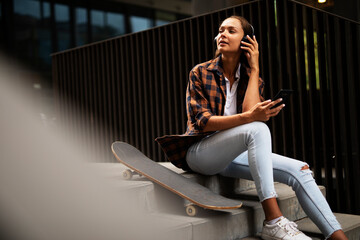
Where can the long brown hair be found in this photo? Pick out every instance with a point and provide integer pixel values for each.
(246, 26)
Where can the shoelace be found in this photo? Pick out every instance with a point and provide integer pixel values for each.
(290, 228)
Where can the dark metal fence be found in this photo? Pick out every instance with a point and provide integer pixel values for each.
(132, 88)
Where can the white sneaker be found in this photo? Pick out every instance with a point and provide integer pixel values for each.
(282, 229)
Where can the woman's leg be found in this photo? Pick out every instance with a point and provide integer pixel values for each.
(297, 175)
(214, 153)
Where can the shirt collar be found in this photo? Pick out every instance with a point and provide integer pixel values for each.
(216, 65)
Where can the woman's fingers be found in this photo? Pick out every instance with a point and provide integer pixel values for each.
(248, 49)
(275, 111)
(263, 110)
(269, 111)
(273, 103)
(252, 40)
(265, 103)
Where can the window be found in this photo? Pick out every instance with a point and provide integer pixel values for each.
(28, 8)
(105, 25)
(45, 47)
(46, 10)
(81, 26)
(140, 23)
(62, 18)
(162, 18)
(26, 25)
(98, 25)
(116, 24)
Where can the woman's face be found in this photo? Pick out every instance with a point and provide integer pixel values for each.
(229, 37)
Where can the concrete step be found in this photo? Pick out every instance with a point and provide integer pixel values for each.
(139, 190)
(226, 224)
(350, 224)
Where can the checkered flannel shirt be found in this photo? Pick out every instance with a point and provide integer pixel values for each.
(205, 97)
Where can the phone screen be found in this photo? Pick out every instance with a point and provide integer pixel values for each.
(284, 94)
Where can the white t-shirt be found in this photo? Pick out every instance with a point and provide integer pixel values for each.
(231, 95)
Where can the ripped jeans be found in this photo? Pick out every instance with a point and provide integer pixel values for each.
(245, 152)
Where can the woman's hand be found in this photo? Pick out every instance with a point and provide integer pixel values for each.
(251, 52)
(262, 111)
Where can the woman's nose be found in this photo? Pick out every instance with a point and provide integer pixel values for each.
(222, 34)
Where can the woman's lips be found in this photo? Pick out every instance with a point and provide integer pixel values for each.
(222, 43)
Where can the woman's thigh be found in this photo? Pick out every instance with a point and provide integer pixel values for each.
(214, 153)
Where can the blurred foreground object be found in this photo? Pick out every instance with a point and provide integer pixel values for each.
(48, 189)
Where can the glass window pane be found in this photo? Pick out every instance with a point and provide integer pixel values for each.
(61, 13)
(1, 30)
(81, 26)
(46, 10)
(163, 18)
(97, 18)
(161, 22)
(98, 25)
(140, 23)
(45, 45)
(62, 26)
(116, 23)
(27, 23)
(27, 8)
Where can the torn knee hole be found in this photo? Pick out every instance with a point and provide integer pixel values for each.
(304, 167)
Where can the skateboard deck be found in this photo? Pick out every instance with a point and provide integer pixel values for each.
(185, 188)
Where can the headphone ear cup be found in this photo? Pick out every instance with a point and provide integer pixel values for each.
(215, 39)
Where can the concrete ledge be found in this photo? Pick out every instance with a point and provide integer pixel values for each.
(349, 223)
(228, 224)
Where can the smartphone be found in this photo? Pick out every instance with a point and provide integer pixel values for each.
(284, 94)
(243, 58)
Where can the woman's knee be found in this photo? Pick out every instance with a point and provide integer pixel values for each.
(297, 173)
(259, 129)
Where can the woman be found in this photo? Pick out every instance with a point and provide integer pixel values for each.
(226, 134)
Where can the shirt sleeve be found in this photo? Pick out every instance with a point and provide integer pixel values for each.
(197, 104)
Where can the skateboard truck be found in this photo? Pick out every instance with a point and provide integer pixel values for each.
(128, 174)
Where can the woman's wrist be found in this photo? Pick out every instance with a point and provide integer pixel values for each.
(255, 70)
(246, 117)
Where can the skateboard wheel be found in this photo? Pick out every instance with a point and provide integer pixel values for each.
(191, 210)
(127, 174)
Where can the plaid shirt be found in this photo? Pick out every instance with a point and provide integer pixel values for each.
(205, 97)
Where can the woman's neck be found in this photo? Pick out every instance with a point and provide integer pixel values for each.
(230, 65)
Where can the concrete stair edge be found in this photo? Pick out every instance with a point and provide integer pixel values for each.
(204, 227)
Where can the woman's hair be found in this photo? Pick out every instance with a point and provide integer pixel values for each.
(246, 26)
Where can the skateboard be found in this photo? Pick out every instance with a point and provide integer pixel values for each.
(193, 193)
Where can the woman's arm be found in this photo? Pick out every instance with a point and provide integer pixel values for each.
(216, 123)
(260, 112)
(252, 95)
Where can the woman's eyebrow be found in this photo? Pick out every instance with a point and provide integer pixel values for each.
(228, 26)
